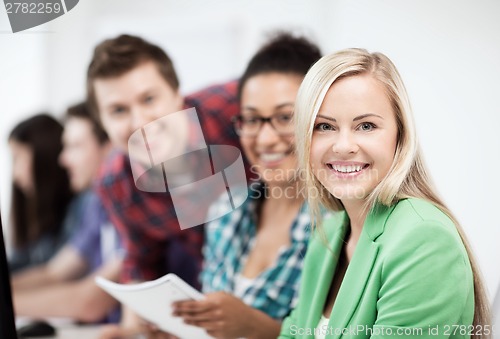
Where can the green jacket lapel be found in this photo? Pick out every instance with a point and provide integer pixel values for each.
(324, 265)
(359, 269)
(353, 285)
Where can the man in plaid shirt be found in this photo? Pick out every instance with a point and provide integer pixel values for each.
(130, 83)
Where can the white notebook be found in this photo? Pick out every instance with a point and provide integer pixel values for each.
(152, 300)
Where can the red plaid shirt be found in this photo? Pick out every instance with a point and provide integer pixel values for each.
(147, 223)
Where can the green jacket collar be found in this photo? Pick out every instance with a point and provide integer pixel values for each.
(359, 268)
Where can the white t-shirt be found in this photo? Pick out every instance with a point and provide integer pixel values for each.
(322, 327)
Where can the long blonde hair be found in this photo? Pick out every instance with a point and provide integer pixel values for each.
(408, 175)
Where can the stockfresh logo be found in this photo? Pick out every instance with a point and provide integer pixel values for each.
(170, 154)
(25, 14)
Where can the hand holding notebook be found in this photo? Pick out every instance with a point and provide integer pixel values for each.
(152, 300)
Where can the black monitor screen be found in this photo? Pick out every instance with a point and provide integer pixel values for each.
(7, 323)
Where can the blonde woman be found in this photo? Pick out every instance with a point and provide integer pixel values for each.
(394, 261)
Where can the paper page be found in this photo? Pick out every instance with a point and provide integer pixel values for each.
(152, 301)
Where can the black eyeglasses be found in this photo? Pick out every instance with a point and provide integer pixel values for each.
(249, 126)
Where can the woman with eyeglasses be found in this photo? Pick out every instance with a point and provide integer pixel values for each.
(253, 256)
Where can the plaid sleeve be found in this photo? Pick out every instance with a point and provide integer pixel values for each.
(210, 278)
(210, 262)
(216, 105)
(146, 222)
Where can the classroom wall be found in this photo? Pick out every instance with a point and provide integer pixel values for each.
(446, 50)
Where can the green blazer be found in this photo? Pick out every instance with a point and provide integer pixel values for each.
(410, 274)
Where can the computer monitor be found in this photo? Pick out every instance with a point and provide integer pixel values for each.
(7, 322)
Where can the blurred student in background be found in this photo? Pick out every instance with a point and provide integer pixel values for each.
(41, 193)
(253, 256)
(131, 83)
(94, 249)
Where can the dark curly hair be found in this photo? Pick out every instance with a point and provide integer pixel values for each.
(283, 53)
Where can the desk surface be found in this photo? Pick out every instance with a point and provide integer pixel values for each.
(76, 332)
(80, 332)
(66, 328)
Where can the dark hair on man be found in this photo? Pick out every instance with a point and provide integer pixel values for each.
(81, 111)
(115, 57)
(283, 53)
(45, 211)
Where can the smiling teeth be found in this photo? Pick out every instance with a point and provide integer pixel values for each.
(347, 169)
(272, 156)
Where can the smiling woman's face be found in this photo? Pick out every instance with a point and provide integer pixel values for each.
(354, 138)
(270, 154)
